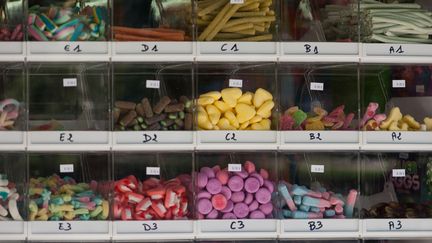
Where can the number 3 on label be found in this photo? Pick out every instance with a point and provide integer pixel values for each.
(237, 225)
(315, 225)
(65, 226)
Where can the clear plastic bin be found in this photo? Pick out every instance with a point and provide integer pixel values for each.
(11, 20)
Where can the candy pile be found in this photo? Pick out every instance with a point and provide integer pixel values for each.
(148, 34)
(151, 199)
(395, 121)
(234, 195)
(301, 202)
(248, 20)
(296, 119)
(9, 111)
(167, 114)
(8, 200)
(12, 34)
(55, 198)
(231, 109)
(398, 210)
(67, 24)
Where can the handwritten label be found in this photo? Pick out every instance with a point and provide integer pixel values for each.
(317, 86)
(66, 137)
(315, 136)
(395, 225)
(317, 168)
(148, 138)
(420, 88)
(315, 225)
(309, 49)
(234, 167)
(65, 226)
(66, 168)
(152, 84)
(396, 136)
(69, 82)
(237, 83)
(396, 50)
(398, 83)
(237, 225)
(150, 226)
(398, 172)
(147, 48)
(225, 47)
(236, 1)
(153, 170)
(72, 48)
(230, 136)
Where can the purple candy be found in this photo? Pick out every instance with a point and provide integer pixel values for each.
(204, 206)
(266, 208)
(257, 215)
(253, 206)
(204, 194)
(252, 185)
(229, 207)
(243, 174)
(202, 180)
(269, 185)
(214, 186)
(238, 196)
(200, 216)
(213, 214)
(241, 210)
(208, 171)
(226, 192)
(259, 177)
(263, 195)
(229, 216)
(248, 198)
(235, 183)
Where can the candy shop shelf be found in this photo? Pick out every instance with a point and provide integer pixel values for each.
(152, 51)
(320, 228)
(153, 230)
(68, 51)
(13, 140)
(237, 51)
(319, 140)
(13, 230)
(69, 140)
(153, 140)
(238, 229)
(318, 52)
(397, 228)
(237, 140)
(12, 51)
(70, 230)
(396, 141)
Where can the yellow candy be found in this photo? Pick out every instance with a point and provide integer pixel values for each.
(266, 123)
(42, 217)
(394, 126)
(105, 211)
(232, 119)
(256, 119)
(320, 111)
(257, 126)
(200, 108)
(205, 100)
(224, 124)
(69, 215)
(230, 96)
(244, 126)
(222, 106)
(394, 116)
(314, 126)
(214, 94)
(261, 96)
(203, 121)
(213, 113)
(246, 98)
(290, 111)
(32, 216)
(244, 112)
(42, 211)
(216, 127)
(428, 123)
(411, 122)
(265, 109)
(403, 126)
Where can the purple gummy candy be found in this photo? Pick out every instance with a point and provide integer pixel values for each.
(248, 198)
(252, 185)
(238, 196)
(226, 192)
(229, 207)
(229, 216)
(263, 195)
(204, 194)
(214, 186)
(269, 185)
(241, 210)
(259, 177)
(202, 180)
(253, 206)
(257, 215)
(204, 206)
(213, 214)
(236, 183)
(266, 208)
(208, 171)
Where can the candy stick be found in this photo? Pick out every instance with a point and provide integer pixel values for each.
(249, 7)
(283, 190)
(239, 27)
(258, 38)
(223, 21)
(249, 20)
(214, 23)
(214, 5)
(351, 199)
(310, 201)
(36, 33)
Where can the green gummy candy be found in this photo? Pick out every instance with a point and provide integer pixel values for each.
(299, 117)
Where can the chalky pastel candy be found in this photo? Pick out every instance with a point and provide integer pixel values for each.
(214, 186)
(226, 192)
(204, 206)
(238, 196)
(252, 185)
(263, 195)
(235, 183)
(219, 202)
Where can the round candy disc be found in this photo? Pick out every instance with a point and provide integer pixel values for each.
(263, 195)
(269, 185)
(208, 171)
(213, 214)
(203, 194)
(229, 207)
(266, 208)
(238, 196)
(249, 198)
(249, 166)
(241, 210)
(235, 183)
(257, 215)
(229, 216)
(202, 180)
(214, 186)
(219, 201)
(204, 206)
(226, 192)
(252, 185)
(259, 177)
(222, 176)
(253, 206)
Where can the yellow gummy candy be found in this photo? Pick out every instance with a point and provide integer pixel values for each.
(214, 94)
(261, 96)
(244, 112)
(222, 106)
(257, 126)
(224, 124)
(428, 122)
(314, 126)
(230, 96)
(244, 125)
(411, 122)
(394, 116)
(256, 119)
(232, 119)
(213, 113)
(265, 109)
(266, 123)
(105, 209)
(203, 121)
(246, 98)
(205, 100)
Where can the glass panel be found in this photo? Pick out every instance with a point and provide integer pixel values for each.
(11, 20)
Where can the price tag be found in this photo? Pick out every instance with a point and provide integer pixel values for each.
(420, 88)
(234, 167)
(66, 168)
(153, 170)
(398, 83)
(236, 1)
(69, 82)
(237, 83)
(317, 168)
(317, 86)
(403, 155)
(152, 84)
(398, 172)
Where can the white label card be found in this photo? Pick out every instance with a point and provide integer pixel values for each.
(153, 170)
(236, 83)
(399, 83)
(69, 82)
(404, 155)
(317, 86)
(66, 168)
(317, 168)
(234, 167)
(420, 88)
(236, 1)
(398, 172)
(153, 84)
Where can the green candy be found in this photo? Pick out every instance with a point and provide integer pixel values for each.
(299, 117)
(85, 217)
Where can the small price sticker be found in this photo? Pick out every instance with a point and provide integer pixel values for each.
(317, 86)
(317, 168)
(153, 84)
(398, 83)
(69, 82)
(234, 167)
(153, 170)
(420, 88)
(398, 172)
(236, 83)
(66, 168)
(403, 155)
(236, 1)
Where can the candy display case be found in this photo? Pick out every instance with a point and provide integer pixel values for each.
(319, 195)
(319, 241)
(319, 28)
(153, 195)
(68, 27)
(75, 113)
(153, 105)
(236, 105)
(395, 107)
(152, 27)
(236, 195)
(396, 200)
(12, 106)
(12, 196)
(69, 195)
(318, 106)
(11, 28)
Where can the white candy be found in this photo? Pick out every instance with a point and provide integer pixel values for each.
(3, 211)
(13, 209)
(4, 182)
